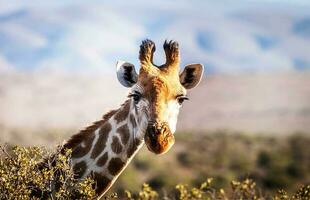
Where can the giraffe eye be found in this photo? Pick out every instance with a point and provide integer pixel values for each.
(136, 97)
(181, 99)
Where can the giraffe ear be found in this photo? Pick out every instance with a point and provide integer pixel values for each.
(126, 73)
(191, 75)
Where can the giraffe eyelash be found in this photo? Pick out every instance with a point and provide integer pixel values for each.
(131, 94)
(136, 96)
(181, 99)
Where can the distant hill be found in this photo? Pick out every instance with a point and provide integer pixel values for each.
(250, 102)
(247, 102)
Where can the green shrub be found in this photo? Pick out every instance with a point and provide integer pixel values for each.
(242, 190)
(22, 177)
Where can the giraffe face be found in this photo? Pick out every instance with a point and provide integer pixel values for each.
(158, 93)
(157, 101)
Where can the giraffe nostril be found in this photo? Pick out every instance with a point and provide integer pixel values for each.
(155, 129)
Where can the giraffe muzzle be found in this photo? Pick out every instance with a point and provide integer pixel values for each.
(158, 138)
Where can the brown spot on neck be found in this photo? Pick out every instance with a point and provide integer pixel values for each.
(81, 151)
(133, 147)
(116, 146)
(115, 166)
(76, 139)
(102, 160)
(123, 131)
(79, 169)
(102, 183)
(102, 140)
(122, 113)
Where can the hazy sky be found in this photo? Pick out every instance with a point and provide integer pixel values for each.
(226, 36)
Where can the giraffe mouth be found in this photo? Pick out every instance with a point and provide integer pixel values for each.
(159, 139)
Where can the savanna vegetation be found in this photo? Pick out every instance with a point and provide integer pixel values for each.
(212, 165)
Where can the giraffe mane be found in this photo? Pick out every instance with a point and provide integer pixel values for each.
(78, 138)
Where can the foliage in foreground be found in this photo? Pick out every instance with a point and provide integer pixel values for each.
(243, 190)
(273, 161)
(20, 174)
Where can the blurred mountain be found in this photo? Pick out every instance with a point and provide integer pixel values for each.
(56, 99)
(277, 103)
(248, 102)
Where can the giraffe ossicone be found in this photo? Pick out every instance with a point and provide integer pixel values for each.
(149, 116)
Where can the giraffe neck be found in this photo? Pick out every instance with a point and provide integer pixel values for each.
(106, 148)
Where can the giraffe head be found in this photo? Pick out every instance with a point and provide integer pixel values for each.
(158, 92)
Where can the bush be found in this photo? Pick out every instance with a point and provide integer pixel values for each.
(22, 176)
(241, 190)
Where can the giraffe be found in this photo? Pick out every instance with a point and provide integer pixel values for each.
(149, 116)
